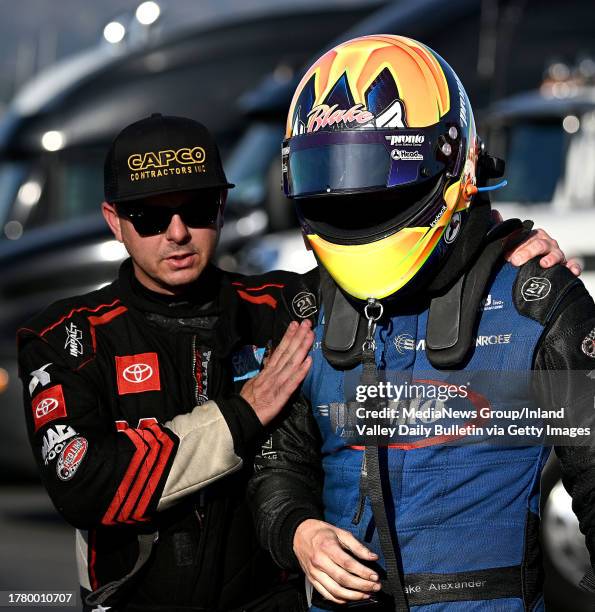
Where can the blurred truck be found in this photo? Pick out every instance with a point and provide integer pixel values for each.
(547, 138)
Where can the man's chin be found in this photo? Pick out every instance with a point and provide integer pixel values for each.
(181, 276)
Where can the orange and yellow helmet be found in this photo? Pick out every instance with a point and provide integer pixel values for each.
(380, 155)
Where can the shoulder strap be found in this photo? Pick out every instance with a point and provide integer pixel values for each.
(344, 329)
(453, 316)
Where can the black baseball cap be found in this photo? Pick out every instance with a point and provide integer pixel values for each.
(162, 154)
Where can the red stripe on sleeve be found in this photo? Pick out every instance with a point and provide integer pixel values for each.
(167, 447)
(135, 462)
(141, 477)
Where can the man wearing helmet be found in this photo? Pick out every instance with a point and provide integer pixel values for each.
(389, 177)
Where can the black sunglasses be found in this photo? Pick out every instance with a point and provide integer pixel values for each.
(151, 220)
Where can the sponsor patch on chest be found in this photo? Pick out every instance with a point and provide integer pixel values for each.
(138, 373)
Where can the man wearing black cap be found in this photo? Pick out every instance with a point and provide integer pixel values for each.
(133, 399)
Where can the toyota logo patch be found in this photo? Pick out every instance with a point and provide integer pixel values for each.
(46, 406)
(138, 373)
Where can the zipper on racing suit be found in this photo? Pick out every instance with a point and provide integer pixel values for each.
(199, 503)
(200, 507)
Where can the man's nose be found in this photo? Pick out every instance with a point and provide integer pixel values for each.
(177, 230)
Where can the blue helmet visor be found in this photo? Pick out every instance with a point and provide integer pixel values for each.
(363, 160)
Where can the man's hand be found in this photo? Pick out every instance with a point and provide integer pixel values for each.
(328, 555)
(283, 371)
(539, 243)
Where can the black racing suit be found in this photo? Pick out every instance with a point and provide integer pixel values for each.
(145, 446)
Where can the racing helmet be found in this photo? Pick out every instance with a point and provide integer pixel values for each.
(380, 156)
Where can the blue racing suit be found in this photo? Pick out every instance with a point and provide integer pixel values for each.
(465, 516)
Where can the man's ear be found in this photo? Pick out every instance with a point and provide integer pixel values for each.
(111, 218)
